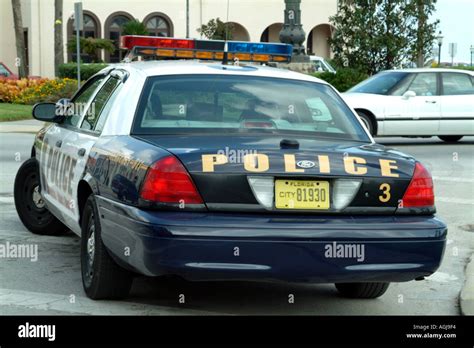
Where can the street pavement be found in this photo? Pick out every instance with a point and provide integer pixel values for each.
(52, 285)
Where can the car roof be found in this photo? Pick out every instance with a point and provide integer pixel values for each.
(189, 67)
(418, 70)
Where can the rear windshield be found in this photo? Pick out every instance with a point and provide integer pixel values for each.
(217, 104)
(381, 83)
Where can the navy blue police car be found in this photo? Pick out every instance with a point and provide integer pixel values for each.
(209, 170)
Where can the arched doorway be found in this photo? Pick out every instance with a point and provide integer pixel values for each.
(271, 33)
(113, 31)
(239, 33)
(159, 24)
(91, 25)
(318, 40)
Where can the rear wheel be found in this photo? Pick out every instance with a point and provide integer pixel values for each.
(102, 278)
(29, 203)
(362, 290)
(367, 121)
(450, 138)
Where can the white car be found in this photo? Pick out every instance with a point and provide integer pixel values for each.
(416, 102)
(321, 64)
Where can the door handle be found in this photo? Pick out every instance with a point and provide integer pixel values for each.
(430, 101)
(59, 143)
(81, 152)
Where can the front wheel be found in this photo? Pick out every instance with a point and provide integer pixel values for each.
(362, 290)
(450, 138)
(29, 203)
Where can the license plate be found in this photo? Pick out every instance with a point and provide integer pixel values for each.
(301, 194)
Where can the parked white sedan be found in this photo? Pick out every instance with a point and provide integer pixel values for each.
(416, 102)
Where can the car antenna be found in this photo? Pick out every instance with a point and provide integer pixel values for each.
(226, 47)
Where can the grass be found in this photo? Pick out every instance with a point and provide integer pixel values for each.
(15, 112)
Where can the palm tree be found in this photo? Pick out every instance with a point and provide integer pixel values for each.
(20, 39)
(58, 36)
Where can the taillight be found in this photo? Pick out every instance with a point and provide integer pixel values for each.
(167, 181)
(420, 192)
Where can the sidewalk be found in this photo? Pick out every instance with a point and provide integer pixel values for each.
(467, 293)
(26, 126)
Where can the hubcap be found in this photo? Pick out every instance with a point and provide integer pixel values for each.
(91, 246)
(37, 199)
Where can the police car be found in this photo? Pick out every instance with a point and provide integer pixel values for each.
(216, 168)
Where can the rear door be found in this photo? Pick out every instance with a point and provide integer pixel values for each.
(457, 104)
(418, 115)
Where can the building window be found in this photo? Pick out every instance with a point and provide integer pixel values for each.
(113, 28)
(91, 29)
(158, 24)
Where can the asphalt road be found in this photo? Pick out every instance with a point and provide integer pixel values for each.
(52, 284)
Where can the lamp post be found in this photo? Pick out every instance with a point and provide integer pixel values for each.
(472, 52)
(292, 32)
(439, 38)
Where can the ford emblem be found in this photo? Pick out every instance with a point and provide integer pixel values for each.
(305, 164)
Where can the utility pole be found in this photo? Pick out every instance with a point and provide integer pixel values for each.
(187, 18)
(78, 22)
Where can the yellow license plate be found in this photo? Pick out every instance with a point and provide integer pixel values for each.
(301, 194)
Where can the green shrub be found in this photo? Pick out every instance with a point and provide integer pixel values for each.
(69, 70)
(46, 91)
(90, 47)
(344, 79)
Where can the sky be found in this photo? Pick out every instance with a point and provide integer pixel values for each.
(457, 25)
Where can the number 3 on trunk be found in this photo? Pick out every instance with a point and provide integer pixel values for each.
(385, 197)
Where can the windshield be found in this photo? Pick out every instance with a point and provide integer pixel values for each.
(216, 104)
(381, 83)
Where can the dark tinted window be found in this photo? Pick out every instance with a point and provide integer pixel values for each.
(98, 103)
(242, 104)
(381, 83)
(80, 100)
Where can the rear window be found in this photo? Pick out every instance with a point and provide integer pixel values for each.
(381, 83)
(214, 104)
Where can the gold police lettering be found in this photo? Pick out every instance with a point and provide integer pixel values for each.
(260, 163)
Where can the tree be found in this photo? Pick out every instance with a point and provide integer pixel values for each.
(215, 29)
(424, 36)
(91, 46)
(19, 39)
(134, 27)
(373, 35)
(58, 36)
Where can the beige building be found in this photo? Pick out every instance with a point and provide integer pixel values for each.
(254, 20)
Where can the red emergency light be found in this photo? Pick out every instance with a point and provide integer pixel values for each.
(130, 41)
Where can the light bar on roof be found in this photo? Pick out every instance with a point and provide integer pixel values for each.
(171, 48)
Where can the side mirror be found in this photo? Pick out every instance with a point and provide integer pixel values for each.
(46, 112)
(408, 95)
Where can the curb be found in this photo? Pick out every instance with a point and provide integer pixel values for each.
(19, 129)
(466, 298)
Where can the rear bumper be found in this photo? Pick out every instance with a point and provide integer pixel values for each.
(210, 246)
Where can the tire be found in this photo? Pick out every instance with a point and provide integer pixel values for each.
(367, 121)
(362, 290)
(29, 205)
(450, 138)
(102, 278)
